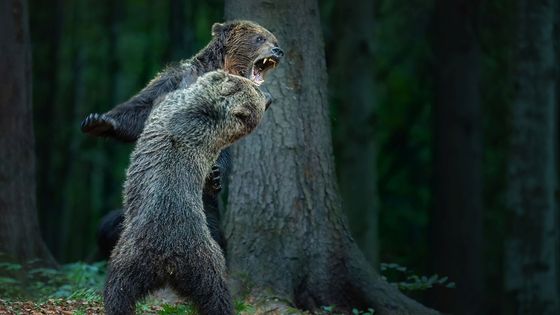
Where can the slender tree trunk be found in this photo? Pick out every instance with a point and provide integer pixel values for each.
(353, 81)
(456, 226)
(286, 232)
(532, 258)
(19, 229)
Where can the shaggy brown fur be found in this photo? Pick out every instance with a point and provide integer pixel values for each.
(165, 241)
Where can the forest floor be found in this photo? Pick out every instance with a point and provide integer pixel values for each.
(50, 307)
(76, 288)
(75, 307)
(83, 307)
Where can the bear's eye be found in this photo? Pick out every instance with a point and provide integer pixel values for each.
(260, 39)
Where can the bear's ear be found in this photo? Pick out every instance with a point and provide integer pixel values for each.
(215, 77)
(222, 30)
(217, 29)
(229, 87)
(241, 112)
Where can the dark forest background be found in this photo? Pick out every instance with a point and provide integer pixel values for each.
(463, 191)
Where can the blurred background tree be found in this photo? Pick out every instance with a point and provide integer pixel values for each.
(422, 133)
(354, 104)
(20, 239)
(532, 260)
(456, 215)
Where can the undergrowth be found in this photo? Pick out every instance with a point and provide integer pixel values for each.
(84, 282)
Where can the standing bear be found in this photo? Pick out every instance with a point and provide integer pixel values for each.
(165, 240)
(238, 47)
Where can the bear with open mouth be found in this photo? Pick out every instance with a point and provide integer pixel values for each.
(238, 47)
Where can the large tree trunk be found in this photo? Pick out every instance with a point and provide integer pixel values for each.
(532, 257)
(456, 226)
(19, 229)
(286, 232)
(352, 77)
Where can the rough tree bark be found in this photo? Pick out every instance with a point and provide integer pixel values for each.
(456, 226)
(355, 101)
(286, 232)
(19, 229)
(531, 254)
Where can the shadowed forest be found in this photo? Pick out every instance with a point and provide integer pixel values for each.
(408, 163)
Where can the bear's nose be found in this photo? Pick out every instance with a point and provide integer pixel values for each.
(278, 52)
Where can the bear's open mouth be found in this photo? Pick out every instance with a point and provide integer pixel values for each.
(261, 67)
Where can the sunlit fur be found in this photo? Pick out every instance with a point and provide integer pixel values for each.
(165, 241)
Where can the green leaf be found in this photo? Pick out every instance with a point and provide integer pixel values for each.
(5, 280)
(10, 266)
(328, 309)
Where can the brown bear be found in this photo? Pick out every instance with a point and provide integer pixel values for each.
(165, 241)
(238, 47)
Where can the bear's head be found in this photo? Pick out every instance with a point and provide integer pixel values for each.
(250, 50)
(218, 109)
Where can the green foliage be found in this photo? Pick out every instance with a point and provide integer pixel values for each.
(77, 281)
(369, 311)
(411, 281)
(86, 294)
(178, 309)
(331, 309)
(9, 266)
(245, 308)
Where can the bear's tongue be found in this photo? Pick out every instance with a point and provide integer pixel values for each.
(257, 76)
(260, 68)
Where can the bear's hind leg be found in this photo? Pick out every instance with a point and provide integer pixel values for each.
(127, 283)
(206, 286)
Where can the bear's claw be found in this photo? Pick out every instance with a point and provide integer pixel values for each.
(98, 125)
(216, 178)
